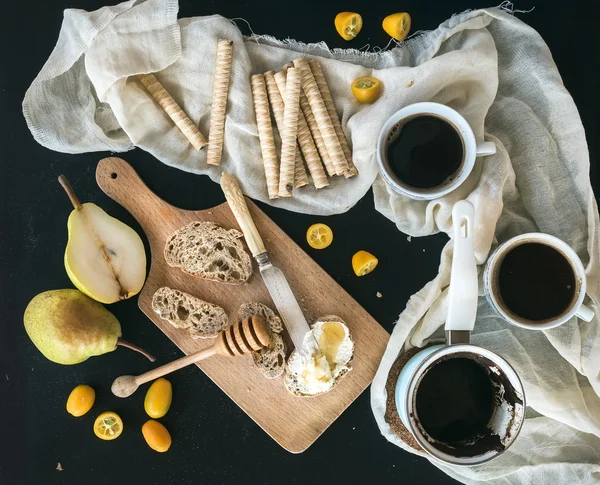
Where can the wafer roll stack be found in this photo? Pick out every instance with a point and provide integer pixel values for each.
(170, 106)
(316, 134)
(265, 134)
(314, 130)
(322, 118)
(219, 102)
(278, 107)
(333, 115)
(305, 140)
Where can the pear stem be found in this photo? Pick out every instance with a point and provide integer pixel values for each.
(124, 343)
(70, 192)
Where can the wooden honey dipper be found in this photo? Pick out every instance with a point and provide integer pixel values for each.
(243, 337)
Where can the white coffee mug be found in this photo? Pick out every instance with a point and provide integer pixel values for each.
(471, 150)
(490, 276)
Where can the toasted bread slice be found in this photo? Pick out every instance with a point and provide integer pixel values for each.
(208, 251)
(255, 308)
(200, 318)
(341, 366)
(270, 360)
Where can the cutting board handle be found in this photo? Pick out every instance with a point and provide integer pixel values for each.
(120, 182)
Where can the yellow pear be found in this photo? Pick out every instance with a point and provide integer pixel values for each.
(104, 258)
(69, 327)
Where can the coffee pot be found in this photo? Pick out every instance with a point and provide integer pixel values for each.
(507, 397)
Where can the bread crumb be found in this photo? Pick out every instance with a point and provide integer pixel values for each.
(423, 250)
(354, 428)
(410, 84)
(248, 390)
(58, 467)
(268, 239)
(209, 213)
(409, 238)
(379, 295)
(6, 376)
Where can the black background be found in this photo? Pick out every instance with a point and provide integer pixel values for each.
(213, 440)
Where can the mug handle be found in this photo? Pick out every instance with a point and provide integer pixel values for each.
(585, 313)
(485, 148)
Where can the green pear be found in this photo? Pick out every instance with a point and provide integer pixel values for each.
(104, 258)
(68, 327)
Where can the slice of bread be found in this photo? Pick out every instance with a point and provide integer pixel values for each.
(291, 380)
(208, 251)
(255, 308)
(200, 318)
(270, 360)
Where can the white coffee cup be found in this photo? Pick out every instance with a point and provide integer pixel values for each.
(471, 150)
(490, 276)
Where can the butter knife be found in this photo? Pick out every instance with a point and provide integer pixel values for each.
(273, 277)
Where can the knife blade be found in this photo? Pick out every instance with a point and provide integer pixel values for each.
(284, 299)
(274, 279)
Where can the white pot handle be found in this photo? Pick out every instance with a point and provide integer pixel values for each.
(463, 292)
(485, 148)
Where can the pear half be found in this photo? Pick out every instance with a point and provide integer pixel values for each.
(69, 327)
(104, 258)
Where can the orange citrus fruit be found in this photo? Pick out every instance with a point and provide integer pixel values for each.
(397, 25)
(319, 236)
(108, 426)
(348, 24)
(366, 89)
(156, 435)
(80, 400)
(363, 263)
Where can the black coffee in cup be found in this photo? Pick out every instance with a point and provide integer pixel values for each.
(424, 151)
(536, 282)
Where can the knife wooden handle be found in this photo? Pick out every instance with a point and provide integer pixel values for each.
(236, 201)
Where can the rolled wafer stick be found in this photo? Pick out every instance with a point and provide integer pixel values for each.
(315, 67)
(265, 134)
(316, 134)
(314, 130)
(305, 140)
(277, 106)
(319, 110)
(289, 134)
(170, 106)
(300, 175)
(219, 102)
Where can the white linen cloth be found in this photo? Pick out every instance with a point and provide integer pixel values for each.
(491, 67)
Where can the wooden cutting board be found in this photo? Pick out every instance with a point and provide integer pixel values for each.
(295, 423)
